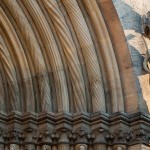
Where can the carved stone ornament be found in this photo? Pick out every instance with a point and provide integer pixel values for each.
(79, 138)
(146, 25)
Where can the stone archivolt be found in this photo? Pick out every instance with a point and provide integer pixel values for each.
(60, 79)
(51, 59)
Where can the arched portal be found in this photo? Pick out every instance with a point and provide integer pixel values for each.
(66, 77)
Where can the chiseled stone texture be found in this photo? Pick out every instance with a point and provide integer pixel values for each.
(130, 13)
(139, 147)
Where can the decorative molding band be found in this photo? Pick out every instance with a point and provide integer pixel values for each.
(81, 128)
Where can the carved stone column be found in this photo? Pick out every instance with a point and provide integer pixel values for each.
(38, 147)
(2, 139)
(120, 140)
(46, 147)
(72, 139)
(55, 138)
(81, 147)
(138, 147)
(82, 135)
(14, 147)
(29, 147)
(99, 147)
(100, 142)
(21, 147)
(44, 138)
(31, 137)
(1, 146)
(109, 148)
(6, 147)
(119, 147)
(54, 147)
(63, 147)
(63, 143)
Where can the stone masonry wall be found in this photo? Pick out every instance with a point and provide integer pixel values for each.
(130, 13)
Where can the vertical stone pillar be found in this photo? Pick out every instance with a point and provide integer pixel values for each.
(90, 147)
(21, 147)
(46, 147)
(38, 147)
(63, 143)
(109, 148)
(71, 147)
(6, 147)
(100, 147)
(30, 147)
(54, 147)
(55, 138)
(63, 147)
(72, 139)
(81, 147)
(14, 147)
(100, 142)
(119, 147)
(1, 146)
(139, 147)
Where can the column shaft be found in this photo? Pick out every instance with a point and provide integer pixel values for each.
(100, 147)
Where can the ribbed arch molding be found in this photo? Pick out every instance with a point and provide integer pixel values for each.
(57, 56)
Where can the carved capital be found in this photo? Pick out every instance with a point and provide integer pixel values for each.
(64, 136)
(44, 136)
(13, 135)
(82, 135)
(30, 135)
(110, 138)
(120, 137)
(101, 136)
(55, 136)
